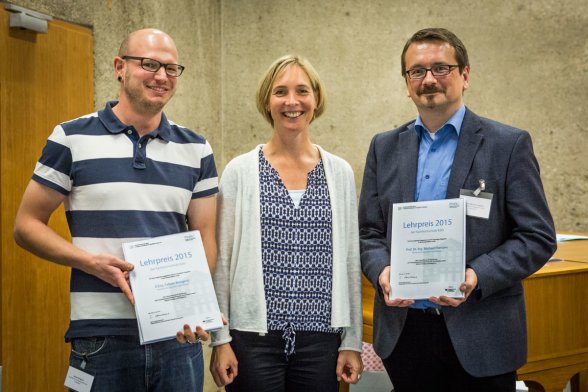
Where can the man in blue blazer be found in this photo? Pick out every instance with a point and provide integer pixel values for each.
(447, 344)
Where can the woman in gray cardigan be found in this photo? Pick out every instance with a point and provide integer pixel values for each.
(288, 273)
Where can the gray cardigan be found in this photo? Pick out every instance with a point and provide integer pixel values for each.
(238, 279)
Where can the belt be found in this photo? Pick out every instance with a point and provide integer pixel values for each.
(429, 311)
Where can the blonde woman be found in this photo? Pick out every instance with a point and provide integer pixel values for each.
(288, 273)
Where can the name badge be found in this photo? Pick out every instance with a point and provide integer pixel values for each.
(78, 381)
(477, 206)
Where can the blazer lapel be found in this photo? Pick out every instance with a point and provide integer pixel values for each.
(409, 156)
(467, 146)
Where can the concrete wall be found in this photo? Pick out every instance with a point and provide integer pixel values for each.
(529, 63)
(529, 66)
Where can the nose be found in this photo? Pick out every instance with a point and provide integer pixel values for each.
(429, 77)
(160, 73)
(291, 98)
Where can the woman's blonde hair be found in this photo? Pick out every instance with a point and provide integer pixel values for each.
(275, 70)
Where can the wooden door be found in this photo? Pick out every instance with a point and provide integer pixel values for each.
(45, 79)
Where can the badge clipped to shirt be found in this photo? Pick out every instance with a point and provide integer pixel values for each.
(78, 380)
(478, 202)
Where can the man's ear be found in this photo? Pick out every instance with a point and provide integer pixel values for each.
(119, 66)
(466, 77)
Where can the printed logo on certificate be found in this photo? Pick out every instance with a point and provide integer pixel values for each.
(172, 286)
(427, 254)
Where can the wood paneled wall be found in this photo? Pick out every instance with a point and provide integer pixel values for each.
(45, 79)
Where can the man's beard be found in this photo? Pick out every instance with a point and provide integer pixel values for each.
(143, 105)
(430, 90)
(430, 98)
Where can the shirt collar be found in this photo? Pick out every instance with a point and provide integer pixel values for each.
(456, 120)
(114, 125)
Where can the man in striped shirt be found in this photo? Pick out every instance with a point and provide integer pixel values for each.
(123, 173)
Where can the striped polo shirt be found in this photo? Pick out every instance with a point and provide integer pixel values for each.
(120, 187)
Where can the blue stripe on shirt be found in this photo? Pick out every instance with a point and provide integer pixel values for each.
(83, 282)
(101, 327)
(207, 167)
(56, 156)
(99, 171)
(124, 224)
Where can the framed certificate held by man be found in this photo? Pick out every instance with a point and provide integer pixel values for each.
(172, 286)
(427, 254)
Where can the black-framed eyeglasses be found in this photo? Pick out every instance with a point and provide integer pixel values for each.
(436, 70)
(151, 65)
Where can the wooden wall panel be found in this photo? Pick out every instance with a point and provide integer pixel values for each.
(44, 79)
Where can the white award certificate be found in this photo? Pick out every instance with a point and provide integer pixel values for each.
(427, 255)
(172, 286)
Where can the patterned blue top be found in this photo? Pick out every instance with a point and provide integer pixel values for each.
(297, 252)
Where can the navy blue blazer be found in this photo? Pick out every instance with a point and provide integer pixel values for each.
(488, 331)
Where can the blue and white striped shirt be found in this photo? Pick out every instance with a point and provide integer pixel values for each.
(120, 187)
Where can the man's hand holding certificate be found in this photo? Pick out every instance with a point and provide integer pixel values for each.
(172, 285)
(427, 256)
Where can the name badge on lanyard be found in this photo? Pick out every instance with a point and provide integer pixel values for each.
(478, 202)
(78, 380)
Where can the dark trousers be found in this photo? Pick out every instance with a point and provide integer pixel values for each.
(264, 367)
(121, 364)
(424, 361)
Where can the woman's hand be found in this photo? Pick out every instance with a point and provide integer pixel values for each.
(349, 366)
(223, 364)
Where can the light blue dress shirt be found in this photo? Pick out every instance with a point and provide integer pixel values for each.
(434, 165)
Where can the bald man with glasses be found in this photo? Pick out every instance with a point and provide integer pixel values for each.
(123, 173)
